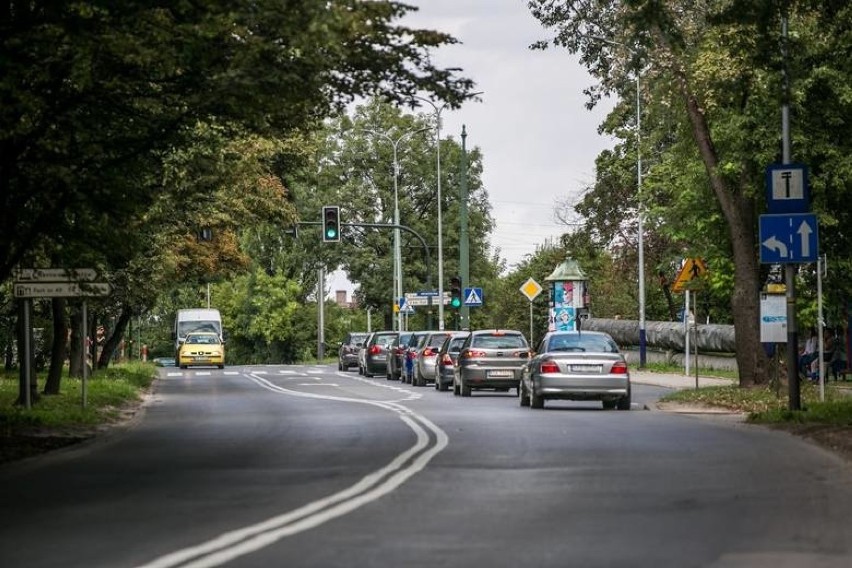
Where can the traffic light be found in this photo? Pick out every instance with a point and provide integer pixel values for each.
(331, 224)
(456, 292)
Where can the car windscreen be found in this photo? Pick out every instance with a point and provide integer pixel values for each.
(499, 342)
(582, 343)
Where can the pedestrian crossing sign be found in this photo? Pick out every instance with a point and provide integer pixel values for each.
(473, 297)
(689, 277)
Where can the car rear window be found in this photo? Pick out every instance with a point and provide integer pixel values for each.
(455, 344)
(358, 337)
(582, 343)
(384, 340)
(438, 340)
(498, 341)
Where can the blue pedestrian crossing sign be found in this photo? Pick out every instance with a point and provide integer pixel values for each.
(473, 297)
(791, 238)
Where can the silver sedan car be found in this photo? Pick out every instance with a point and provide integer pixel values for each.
(577, 365)
(426, 361)
(490, 359)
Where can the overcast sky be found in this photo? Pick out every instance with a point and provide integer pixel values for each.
(538, 140)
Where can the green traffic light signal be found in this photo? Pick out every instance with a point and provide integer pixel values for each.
(455, 292)
(331, 224)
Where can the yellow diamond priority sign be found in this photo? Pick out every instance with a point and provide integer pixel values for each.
(531, 289)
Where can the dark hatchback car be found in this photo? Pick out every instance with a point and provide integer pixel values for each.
(491, 359)
(377, 353)
(396, 363)
(347, 355)
(447, 357)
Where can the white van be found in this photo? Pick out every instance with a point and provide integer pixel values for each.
(199, 319)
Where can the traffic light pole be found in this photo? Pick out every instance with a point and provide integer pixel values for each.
(464, 244)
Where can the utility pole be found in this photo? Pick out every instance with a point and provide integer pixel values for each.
(464, 242)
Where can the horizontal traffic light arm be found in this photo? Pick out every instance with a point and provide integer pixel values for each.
(387, 226)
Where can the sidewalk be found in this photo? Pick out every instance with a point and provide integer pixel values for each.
(675, 380)
(681, 381)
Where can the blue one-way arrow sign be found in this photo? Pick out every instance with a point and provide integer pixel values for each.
(792, 238)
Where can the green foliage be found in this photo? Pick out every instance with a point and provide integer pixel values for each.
(107, 393)
(765, 405)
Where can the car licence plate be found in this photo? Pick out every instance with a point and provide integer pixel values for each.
(500, 374)
(586, 368)
(201, 358)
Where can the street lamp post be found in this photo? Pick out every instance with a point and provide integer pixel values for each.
(643, 344)
(438, 111)
(397, 254)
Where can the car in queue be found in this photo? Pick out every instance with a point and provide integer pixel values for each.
(448, 354)
(347, 354)
(577, 365)
(490, 359)
(396, 363)
(201, 349)
(415, 342)
(426, 360)
(377, 352)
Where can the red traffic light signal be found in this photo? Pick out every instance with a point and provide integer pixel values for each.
(331, 224)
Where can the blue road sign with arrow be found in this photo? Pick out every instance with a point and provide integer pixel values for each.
(792, 238)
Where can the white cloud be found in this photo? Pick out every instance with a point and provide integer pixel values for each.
(539, 142)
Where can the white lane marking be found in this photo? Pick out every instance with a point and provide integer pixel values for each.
(371, 487)
(286, 372)
(232, 372)
(318, 385)
(202, 373)
(173, 374)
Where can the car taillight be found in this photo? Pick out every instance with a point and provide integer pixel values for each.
(428, 352)
(619, 368)
(549, 367)
(447, 360)
(375, 349)
(470, 354)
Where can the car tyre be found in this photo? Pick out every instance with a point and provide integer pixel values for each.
(522, 397)
(466, 390)
(624, 402)
(456, 390)
(609, 404)
(536, 400)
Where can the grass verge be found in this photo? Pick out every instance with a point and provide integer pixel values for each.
(108, 393)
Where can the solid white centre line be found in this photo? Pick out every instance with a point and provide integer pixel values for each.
(371, 487)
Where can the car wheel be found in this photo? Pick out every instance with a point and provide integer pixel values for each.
(609, 404)
(624, 402)
(456, 390)
(419, 379)
(536, 400)
(522, 397)
(221, 366)
(465, 389)
(339, 366)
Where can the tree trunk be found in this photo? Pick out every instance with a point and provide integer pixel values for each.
(33, 377)
(75, 351)
(59, 348)
(112, 342)
(739, 213)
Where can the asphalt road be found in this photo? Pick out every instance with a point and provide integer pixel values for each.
(311, 467)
